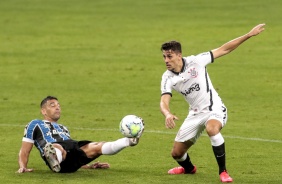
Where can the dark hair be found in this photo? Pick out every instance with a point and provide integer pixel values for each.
(44, 101)
(172, 45)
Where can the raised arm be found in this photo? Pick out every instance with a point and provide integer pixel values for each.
(23, 157)
(233, 44)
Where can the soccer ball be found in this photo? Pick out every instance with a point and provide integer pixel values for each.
(131, 126)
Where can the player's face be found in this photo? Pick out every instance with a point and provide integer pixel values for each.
(51, 110)
(173, 60)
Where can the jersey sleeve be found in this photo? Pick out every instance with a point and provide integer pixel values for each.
(204, 58)
(29, 132)
(166, 84)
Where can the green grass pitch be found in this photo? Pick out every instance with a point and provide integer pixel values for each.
(102, 59)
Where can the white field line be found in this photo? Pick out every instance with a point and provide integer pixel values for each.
(165, 132)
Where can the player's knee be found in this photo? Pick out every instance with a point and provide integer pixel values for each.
(213, 128)
(177, 154)
(92, 150)
(63, 151)
(212, 131)
(58, 146)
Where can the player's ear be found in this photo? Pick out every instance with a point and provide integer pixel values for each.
(43, 111)
(179, 55)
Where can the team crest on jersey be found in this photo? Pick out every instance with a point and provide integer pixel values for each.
(193, 72)
(47, 125)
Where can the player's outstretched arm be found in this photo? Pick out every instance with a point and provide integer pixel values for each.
(233, 44)
(23, 157)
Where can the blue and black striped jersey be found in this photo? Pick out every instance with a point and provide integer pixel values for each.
(39, 132)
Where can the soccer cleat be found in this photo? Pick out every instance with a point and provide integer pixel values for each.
(181, 170)
(225, 178)
(193, 171)
(51, 157)
(176, 170)
(133, 141)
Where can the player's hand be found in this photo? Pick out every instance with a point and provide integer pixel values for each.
(23, 170)
(169, 121)
(98, 165)
(256, 30)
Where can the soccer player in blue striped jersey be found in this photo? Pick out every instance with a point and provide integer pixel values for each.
(60, 152)
(189, 77)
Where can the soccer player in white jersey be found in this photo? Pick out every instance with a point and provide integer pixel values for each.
(189, 77)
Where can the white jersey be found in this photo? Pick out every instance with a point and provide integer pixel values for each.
(193, 83)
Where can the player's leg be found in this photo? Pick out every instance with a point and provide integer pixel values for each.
(180, 155)
(213, 127)
(187, 135)
(96, 149)
(217, 141)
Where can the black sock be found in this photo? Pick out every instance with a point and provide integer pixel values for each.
(219, 153)
(186, 164)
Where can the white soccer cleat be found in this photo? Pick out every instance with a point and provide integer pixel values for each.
(133, 141)
(51, 157)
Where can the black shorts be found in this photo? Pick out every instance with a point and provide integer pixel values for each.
(76, 157)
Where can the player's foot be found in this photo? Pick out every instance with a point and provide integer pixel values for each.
(133, 141)
(193, 171)
(225, 178)
(51, 157)
(181, 170)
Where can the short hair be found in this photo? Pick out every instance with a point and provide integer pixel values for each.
(44, 101)
(172, 45)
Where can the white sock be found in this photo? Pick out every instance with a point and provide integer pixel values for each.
(217, 139)
(111, 148)
(59, 155)
(182, 159)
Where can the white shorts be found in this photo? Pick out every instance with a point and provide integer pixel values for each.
(194, 124)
